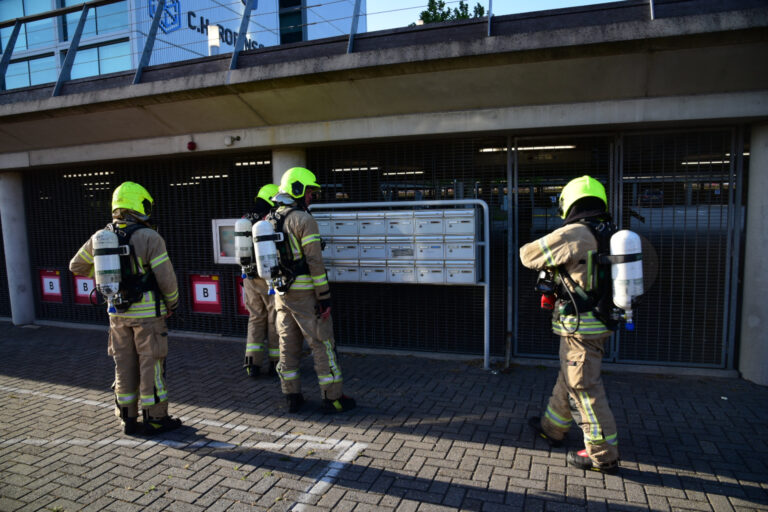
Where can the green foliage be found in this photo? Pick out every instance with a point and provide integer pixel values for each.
(437, 11)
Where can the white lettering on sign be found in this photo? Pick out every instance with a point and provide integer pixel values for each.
(51, 285)
(206, 292)
(84, 286)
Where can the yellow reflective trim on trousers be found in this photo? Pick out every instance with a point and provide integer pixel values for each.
(335, 370)
(162, 394)
(596, 437)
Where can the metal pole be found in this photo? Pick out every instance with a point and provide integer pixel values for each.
(486, 244)
(146, 54)
(511, 253)
(650, 4)
(240, 43)
(490, 16)
(6, 59)
(66, 67)
(353, 28)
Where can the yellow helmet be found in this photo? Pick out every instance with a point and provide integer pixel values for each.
(296, 180)
(267, 192)
(133, 196)
(578, 188)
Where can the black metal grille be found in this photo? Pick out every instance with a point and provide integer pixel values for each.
(679, 184)
(66, 205)
(544, 166)
(5, 299)
(429, 318)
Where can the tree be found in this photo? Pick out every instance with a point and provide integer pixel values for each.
(437, 11)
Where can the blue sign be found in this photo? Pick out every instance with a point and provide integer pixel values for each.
(171, 17)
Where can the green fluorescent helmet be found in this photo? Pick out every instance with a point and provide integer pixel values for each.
(132, 196)
(267, 192)
(578, 188)
(296, 180)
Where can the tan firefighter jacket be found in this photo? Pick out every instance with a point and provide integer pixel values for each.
(303, 235)
(151, 254)
(568, 246)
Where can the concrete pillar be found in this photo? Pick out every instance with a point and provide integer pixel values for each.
(20, 285)
(284, 159)
(753, 351)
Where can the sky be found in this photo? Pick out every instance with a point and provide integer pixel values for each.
(385, 14)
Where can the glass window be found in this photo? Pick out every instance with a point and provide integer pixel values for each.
(39, 33)
(17, 75)
(86, 63)
(102, 20)
(73, 18)
(42, 70)
(115, 57)
(10, 9)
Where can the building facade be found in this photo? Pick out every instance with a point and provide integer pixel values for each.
(668, 112)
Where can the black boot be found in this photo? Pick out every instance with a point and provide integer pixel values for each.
(341, 404)
(130, 426)
(253, 371)
(158, 426)
(295, 401)
(535, 424)
(272, 369)
(581, 460)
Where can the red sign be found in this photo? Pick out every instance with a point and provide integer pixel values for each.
(240, 291)
(50, 285)
(83, 288)
(205, 293)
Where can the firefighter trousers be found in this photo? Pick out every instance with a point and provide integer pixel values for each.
(139, 348)
(579, 382)
(261, 323)
(298, 320)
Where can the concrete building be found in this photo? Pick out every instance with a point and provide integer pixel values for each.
(667, 107)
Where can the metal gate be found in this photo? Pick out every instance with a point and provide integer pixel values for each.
(66, 205)
(680, 190)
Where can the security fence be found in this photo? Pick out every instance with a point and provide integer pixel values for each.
(683, 191)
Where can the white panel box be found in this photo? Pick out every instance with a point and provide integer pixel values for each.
(459, 222)
(458, 247)
(373, 271)
(344, 224)
(346, 271)
(345, 247)
(372, 247)
(399, 248)
(460, 272)
(323, 223)
(328, 251)
(428, 223)
(399, 223)
(429, 248)
(400, 273)
(431, 272)
(371, 223)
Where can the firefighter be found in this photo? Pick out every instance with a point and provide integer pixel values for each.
(138, 336)
(260, 305)
(304, 310)
(583, 207)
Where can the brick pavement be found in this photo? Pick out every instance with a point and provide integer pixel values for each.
(429, 435)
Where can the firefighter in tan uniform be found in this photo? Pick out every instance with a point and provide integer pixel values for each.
(260, 304)
(565, 251)
(304, 310)
(138, 337)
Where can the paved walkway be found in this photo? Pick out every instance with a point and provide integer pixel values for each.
(429, 435)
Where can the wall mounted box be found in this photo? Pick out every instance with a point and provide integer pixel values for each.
(430, 271)
(428, 223)
(372, 247)
(401, 273)
(346, 271)
(344, 224)
(399, 223)
(345, 247)
(324, 223)
(460, 247)
(373, 271)
(459, 222)
(429, 248)
(371, 223)
(399, 247)
(460, 272)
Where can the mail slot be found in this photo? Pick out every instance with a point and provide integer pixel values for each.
(323, 223)
(403, 273)
(344, 224)
(429, 248)
(431, 272)
(346, 271)
(428, 223)
(399, 247)
(459, 222)
(460, 272)
(460, 248)
(373, 271)
(399, 223)
(372, 247)
(371, 223)
(345, 247)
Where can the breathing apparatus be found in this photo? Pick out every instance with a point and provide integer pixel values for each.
(611, 300)
(106, 262)
(267, 263)
(244, 247)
